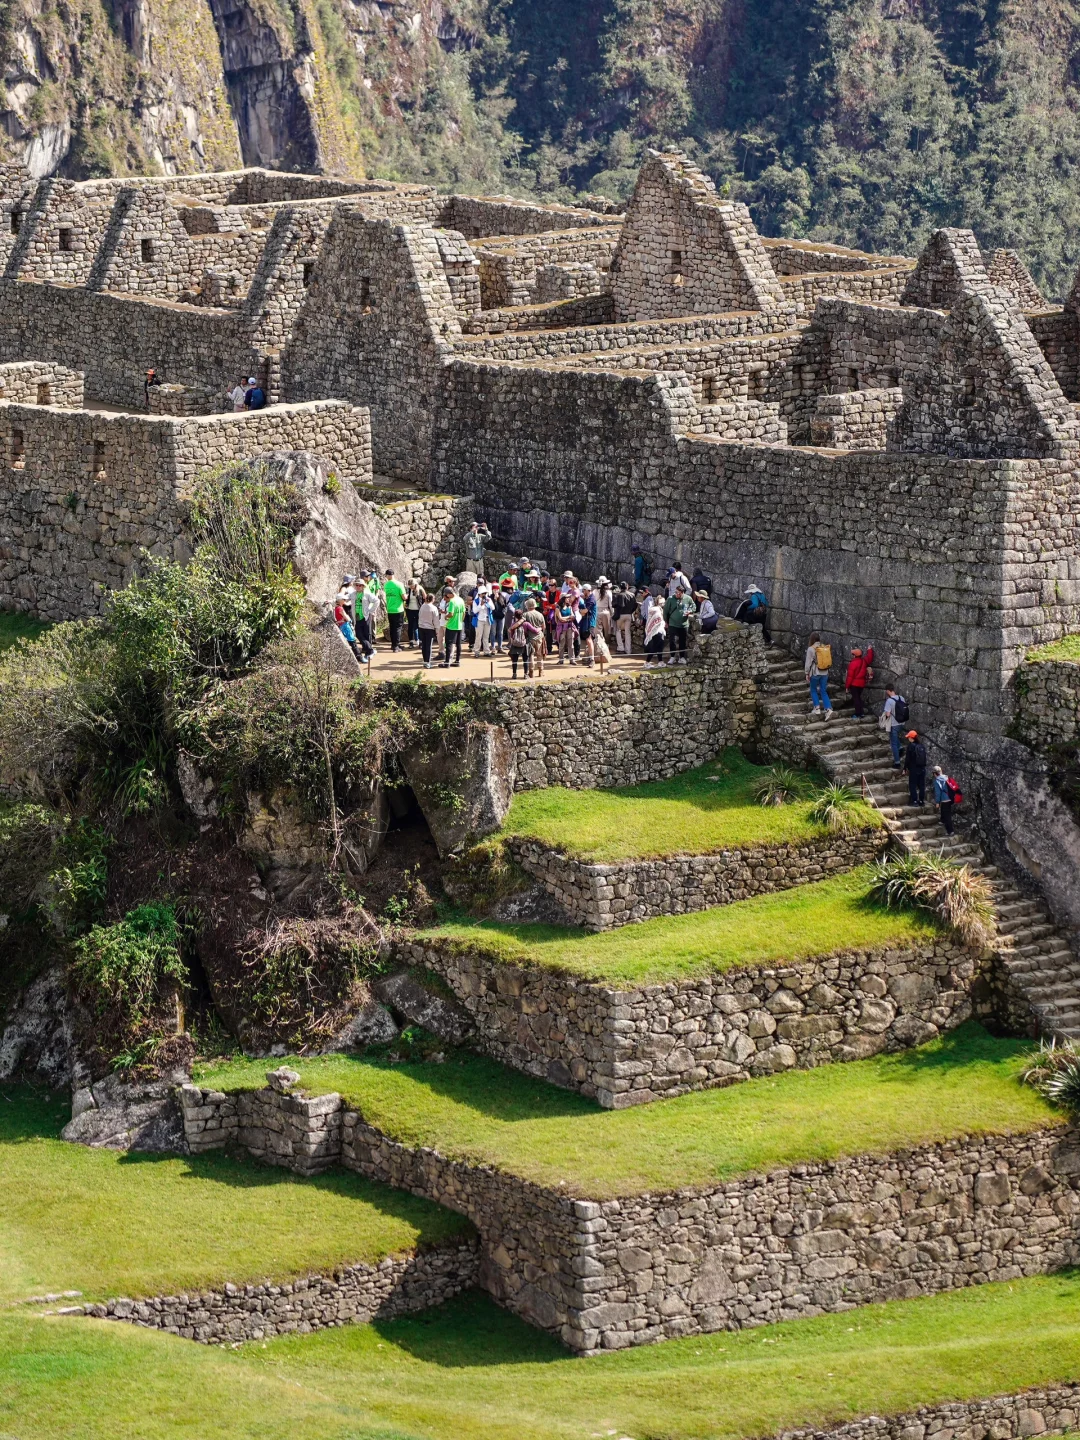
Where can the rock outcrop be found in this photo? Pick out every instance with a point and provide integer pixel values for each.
(464, 785)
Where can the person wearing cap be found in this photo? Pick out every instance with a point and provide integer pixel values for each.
(677, 581)
(152, 379)
(255, 398)
(344, 624)
(483, 618)
(915, 768)
(476, 537)
(605, 608)
(455, 623)
(706, 611)
(534, 637)
(524, 566)
(509, 578)
(893, 714)
(394, 599)
(944, 798)
(348, 590)
(370, 604)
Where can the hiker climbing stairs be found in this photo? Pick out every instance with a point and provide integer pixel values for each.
(1035, 951)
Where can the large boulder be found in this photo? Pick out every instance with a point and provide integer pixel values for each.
(116, 1115)
(463, 784)
(38, 1040)
(339, 533)
(413, 1001)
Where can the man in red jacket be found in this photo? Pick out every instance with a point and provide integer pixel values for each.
(859, 673)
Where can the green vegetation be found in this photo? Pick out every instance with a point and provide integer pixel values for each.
(15, 626)
(1068, 648)
(473, 1109)
(469, 1371)
(955, 895)
(109, 1223)
(1054, 1070)
(714, 807)
(817, 919)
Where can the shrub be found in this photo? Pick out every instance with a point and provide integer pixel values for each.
(52, 868)
(839, 809)
(778, 786)
(1054, 1070)
(128, 969)
(955, 894)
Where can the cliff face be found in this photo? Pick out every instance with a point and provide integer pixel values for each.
(869, 122)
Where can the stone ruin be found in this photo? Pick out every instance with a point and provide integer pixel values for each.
(887, 446)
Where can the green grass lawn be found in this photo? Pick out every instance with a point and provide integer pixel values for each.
(473, 1109)
(817, 919)
(109, 1223)
(469, 1371)
(710, 808)
(16, 626)
(1067, 648)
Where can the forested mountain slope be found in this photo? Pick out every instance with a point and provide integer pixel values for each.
(864, 121)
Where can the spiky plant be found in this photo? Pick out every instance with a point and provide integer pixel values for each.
(838, 808)
(955, 894)
(1054, 1070)
(780, 785)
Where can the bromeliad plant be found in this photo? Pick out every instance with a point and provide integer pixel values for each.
(839, 809)
(780, 785)
(956, 895)
(1054, 1070)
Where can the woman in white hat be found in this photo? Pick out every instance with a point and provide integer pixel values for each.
(605, 607)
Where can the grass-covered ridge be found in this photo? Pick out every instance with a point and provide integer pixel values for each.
(1067, 649)
(470, 1371)
(818, 919)
(472, 1109)
(110, 1223)
(713, 807)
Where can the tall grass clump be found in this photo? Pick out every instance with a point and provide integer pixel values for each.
(954, 894)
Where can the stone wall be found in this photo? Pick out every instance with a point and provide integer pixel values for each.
(1051, 1410)
(1047, 703)
(600, 897)
(627, 728)
(38, 382)
(603, 1275)
(352, 1295)
(858, 420)
(88, 492)
(431, 531)
(479, 215)
(803, 292)
(509, 268)
(627, 1047)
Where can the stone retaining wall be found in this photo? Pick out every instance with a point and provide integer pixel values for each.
(627, 1047)
(274, 1125)
(431, 531)
(603, 1275)
(1052, 1410)
(601, 897)
(1048, 703)
(354, 1295)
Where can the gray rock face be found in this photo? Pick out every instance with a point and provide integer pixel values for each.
(341, 534)
(373, 1025)
(443, 1017)
(39, 1038)
(464, 786)
(113, 1115)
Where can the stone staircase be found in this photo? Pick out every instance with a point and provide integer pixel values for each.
(1035, 952)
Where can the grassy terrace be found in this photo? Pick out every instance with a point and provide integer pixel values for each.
(696, 812)
(1067, 648)
(473, 1109)
(710, 808)
(817, 919)
(469, 1371)
(108, 1223)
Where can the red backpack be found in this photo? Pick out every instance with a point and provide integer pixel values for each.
(955, 793)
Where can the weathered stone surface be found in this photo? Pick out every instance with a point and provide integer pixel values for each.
(115, 1115)
(38, 1039)
(464, 783)
(408, 997)
(341, 533)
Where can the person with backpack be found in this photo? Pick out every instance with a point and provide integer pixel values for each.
(817, 663)
(702, 580)
(947, 797)
(754, 610)
(642, 567)
(859, 674)
(894, 716)
(255, 399)
(915, 768)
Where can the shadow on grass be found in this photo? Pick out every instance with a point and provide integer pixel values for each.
(968, 1044)
(471, 1331)
(493, 1090)
(29, 1113)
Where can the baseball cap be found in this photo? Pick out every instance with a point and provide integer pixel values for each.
(912, 735)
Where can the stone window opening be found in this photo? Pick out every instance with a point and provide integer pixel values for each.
(16, 221)
(18, 450)
(677, 275)
(894, 379)
(365, 292)
(967, 391)
(99, 460)
(308, 272)
(757, 381)
(852, 380)
(44, 393)
(709, 389)
(146, 250)
(67, 239)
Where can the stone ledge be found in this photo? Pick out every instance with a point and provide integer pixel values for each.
(1050, 1410)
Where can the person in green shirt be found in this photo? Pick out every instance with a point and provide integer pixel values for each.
(455, 620)
(394, 597)
(677, 610)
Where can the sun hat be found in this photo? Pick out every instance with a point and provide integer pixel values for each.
(753, 590)
(602, 580)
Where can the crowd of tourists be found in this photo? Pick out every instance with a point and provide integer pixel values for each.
(909, 753)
